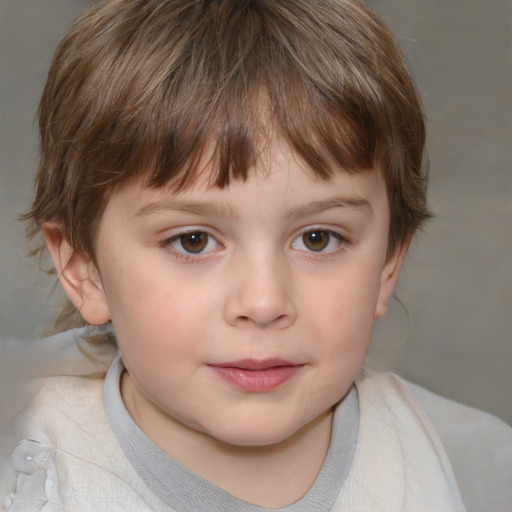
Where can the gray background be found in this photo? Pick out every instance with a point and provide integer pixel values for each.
(454, 334)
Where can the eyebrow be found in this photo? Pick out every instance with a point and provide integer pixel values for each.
(336, 202)
(218, 209)
(210, 208)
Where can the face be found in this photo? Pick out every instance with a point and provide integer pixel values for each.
(245, 313)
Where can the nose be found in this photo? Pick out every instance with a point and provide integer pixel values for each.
(260, 295)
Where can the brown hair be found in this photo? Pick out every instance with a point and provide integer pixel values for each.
(146, 87)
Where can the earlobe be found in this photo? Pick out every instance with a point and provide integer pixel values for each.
(389, 278)
(78, 276)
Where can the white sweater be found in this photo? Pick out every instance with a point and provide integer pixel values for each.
(68, 458)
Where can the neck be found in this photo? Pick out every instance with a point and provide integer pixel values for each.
(249, 473)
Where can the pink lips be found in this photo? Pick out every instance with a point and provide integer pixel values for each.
(256, 376)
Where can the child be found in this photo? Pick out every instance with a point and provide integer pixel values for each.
(227, 189)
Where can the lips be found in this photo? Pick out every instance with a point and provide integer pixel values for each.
(256, 376)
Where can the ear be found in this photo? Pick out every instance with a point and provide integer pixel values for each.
(389, 277)
(78, 276)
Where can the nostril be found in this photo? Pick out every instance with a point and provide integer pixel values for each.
(246, 319)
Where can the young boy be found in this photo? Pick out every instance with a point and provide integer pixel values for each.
(227, 189)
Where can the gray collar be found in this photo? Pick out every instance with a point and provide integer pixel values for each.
(184, 491)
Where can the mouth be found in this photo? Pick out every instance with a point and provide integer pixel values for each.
(256, 376)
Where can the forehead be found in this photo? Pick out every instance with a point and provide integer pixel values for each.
(280, 180)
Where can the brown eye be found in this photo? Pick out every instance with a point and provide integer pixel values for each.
(316, 240)
(194, 242)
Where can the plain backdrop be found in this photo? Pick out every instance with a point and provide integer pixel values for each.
(453, 333)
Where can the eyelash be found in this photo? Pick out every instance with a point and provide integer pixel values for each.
(188, 256)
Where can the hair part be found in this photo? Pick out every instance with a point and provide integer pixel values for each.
(148, 88)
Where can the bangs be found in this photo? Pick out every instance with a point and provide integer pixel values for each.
(226, 140)
(232, 79)
(170, 90)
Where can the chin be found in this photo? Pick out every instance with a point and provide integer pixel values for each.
(252, 440)
(253, 435)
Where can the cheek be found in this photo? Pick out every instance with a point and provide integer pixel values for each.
(343, 304)
(148, 303)
(340, 320)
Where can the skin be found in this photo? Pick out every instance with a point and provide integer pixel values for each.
(257, 290)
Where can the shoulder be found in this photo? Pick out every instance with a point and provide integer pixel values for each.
(26, 366)
(59, 432)
(477, 444)
(63, 407)
(67, 457)
(61, 446)
(56, 377)
(65, 417)
(479, 447)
